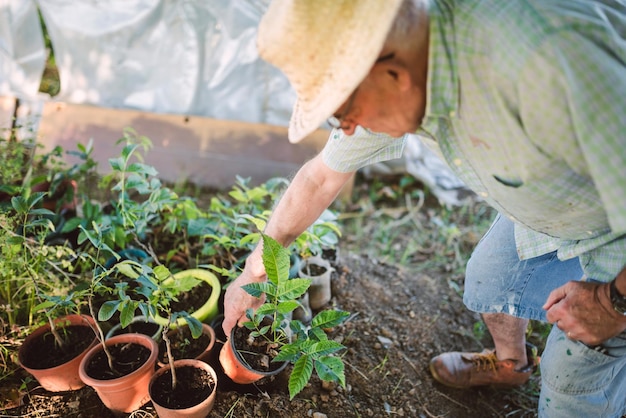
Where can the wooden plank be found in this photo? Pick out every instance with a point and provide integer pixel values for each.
(204, 151)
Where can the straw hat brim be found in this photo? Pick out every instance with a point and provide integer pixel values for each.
(325, 48)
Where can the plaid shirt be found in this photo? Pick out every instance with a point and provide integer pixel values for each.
(527, 104)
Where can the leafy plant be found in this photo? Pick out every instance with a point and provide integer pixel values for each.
(307, 348)
(154, 293)
(37, 271)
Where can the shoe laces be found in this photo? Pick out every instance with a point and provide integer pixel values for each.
(485, 362)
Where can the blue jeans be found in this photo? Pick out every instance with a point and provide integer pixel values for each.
(577, 381)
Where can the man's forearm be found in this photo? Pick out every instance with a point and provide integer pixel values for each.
(312, 190)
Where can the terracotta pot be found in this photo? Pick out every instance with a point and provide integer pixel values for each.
(200, 410)
(204, 356)
(320, 291)
(129, 392)
(135, 326)
(210, 308)
(65, 376)
(236, 368)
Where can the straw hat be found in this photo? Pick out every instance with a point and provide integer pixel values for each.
(325, 48)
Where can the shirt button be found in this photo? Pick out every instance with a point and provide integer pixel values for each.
(458, 162)
(452, 114)
(484, 194)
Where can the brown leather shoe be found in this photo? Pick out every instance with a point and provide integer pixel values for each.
(465, 370)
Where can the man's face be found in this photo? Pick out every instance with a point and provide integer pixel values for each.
(387, 101)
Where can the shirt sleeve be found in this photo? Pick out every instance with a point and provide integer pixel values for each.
(348, 153)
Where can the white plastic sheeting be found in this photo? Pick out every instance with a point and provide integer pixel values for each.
(193, 57)
(22, 49)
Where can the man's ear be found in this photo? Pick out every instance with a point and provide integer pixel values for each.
(398, 74)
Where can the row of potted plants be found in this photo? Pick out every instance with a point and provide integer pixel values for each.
(122, 368)
(107, 262)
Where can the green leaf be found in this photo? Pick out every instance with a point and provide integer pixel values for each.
(265, 309)
(42, 212)
(116, 163)
(258, 222)
(288, 352)
(331, 369)
(136, 182)
(44, 305)
(128, 269)
(252, 238)
(258, 289)
(300, 375)
(186, 283)
(323, 348)
(292, 289)
(16, 240)
(275, 260)
(128, 150)
(195, 326)
(127, 313)
(142, 169)
(287, 306)
(107, 310)
(71, 225)
(329, 318)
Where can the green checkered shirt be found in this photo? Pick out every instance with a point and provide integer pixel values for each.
(527, 104)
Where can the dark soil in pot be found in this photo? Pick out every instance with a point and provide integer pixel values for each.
(192, 300)
(314, 270)
(258, 353)
(183, 345)
(126, 359)
(192, 387)
(47, 353)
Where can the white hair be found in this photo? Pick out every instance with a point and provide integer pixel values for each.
(403, 27)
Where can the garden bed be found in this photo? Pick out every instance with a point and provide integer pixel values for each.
(399, 272)
(404, 320)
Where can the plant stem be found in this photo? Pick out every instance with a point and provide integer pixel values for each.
(170, 357)
(92, 311)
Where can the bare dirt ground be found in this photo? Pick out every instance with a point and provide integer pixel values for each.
(400, 320)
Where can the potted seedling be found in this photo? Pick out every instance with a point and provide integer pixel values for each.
(183, 386)
(153, 291)
(120, 367)
(271, 339)
(52, 352)
(170, 394)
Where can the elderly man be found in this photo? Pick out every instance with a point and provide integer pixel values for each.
(526, 101)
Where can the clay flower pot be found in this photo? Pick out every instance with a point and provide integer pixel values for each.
(63, 376)
(140, 325)
(210, 308)
(318, 270)
(236, 368)
(128, 392)
(179, 352)
(194, 395)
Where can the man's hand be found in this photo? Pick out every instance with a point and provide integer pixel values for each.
(583, 310)
(237, 300)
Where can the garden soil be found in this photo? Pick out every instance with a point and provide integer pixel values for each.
(400, 320)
